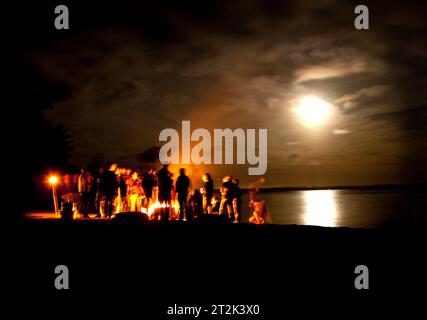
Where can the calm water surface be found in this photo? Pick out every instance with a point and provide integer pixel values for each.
(345, 208)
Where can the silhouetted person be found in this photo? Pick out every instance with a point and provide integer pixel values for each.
(108, 187)
(123, 188)
(227, 193)
(83, 188)
(165, 182)
(181, 187)
(149, 181)
(99, 197)
(237, 200)
(93, 174)
(207, 193)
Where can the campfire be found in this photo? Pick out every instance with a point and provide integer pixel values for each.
(156, 209)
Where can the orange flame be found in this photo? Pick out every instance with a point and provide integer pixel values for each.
(153, 207)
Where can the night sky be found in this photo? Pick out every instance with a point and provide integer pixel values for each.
(123, 72)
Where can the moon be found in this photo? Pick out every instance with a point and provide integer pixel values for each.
(313, 111)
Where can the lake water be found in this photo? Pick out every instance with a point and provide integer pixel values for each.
(344, 208)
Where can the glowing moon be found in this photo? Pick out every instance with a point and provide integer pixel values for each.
(313, 111)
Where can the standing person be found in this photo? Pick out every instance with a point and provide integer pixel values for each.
(227, 197)
(135, 192)
(93, 172)
(91, 193)
(108, 187)
(148, 183)
(83, 188)
(237, 201)
(165, 182)
(123, 188)
(99, 196)
(181, 187)
(207, 193)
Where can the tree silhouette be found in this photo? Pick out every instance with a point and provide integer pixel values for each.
(34, 145)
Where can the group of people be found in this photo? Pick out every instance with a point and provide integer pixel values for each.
(112, 190)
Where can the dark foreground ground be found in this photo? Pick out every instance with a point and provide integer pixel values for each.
(135, 270)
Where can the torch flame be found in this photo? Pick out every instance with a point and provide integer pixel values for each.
(53, 180)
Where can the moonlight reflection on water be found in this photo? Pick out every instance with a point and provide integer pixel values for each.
(320, 208)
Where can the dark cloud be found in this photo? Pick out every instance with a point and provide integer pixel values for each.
(150, 155)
